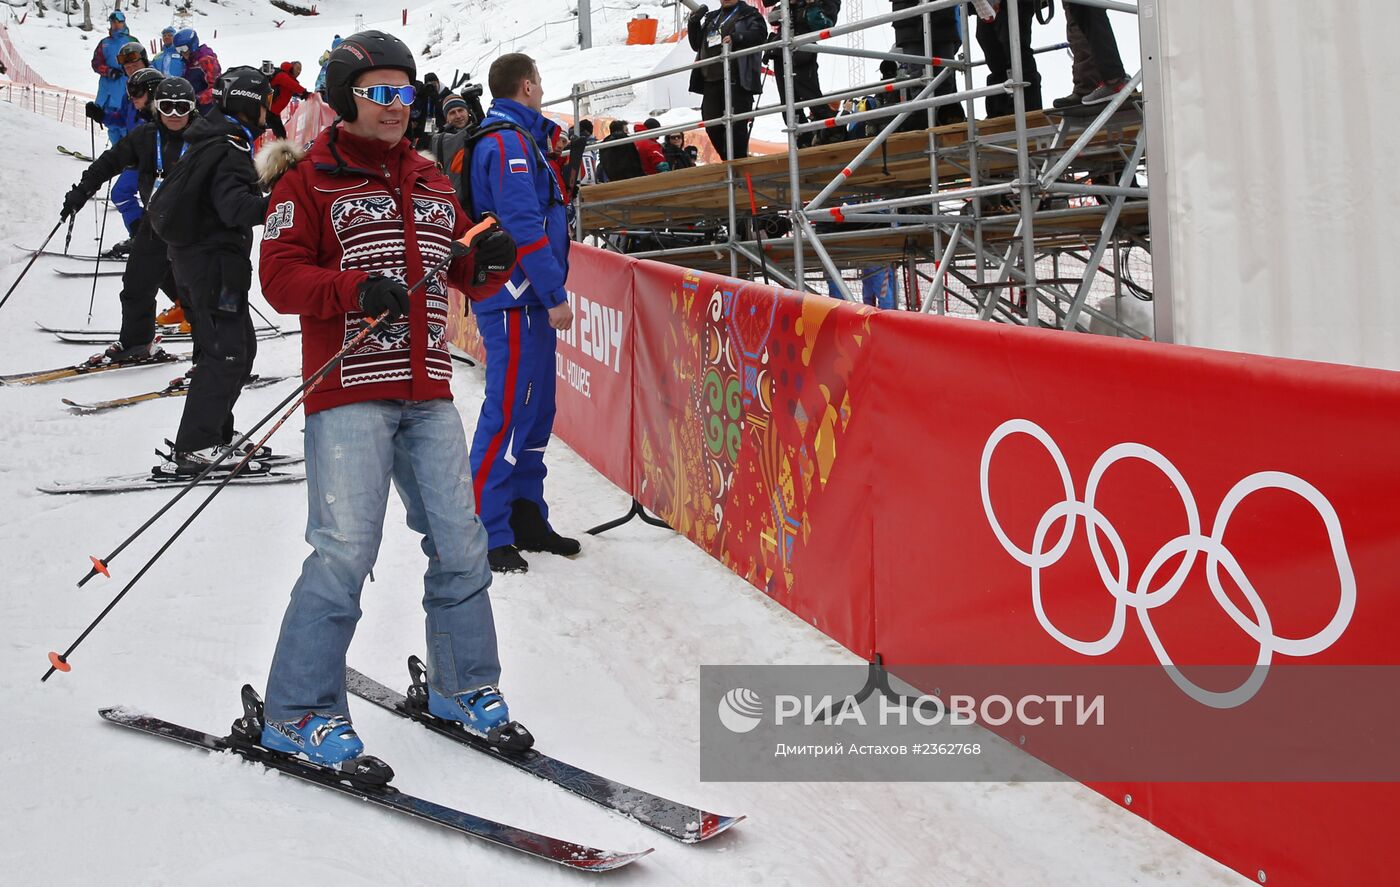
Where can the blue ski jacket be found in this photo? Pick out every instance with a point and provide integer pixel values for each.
(513, 178)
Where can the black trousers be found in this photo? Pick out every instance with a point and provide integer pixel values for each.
(214, 284)
(945, 114)
(1103, 46)
(147, 270)
(995, 40)
(806, 85)
(712, 105)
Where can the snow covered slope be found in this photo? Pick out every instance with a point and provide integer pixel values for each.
(447, 36)
(452, 36)
(601, 657)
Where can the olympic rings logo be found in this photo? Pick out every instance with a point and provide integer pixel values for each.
(1144, 597)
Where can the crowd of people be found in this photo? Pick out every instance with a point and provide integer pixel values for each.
(184, 131)
(1098, 75)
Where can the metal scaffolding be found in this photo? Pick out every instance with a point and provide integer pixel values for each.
(1020, 219)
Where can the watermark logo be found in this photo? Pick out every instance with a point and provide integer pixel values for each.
(740, 710)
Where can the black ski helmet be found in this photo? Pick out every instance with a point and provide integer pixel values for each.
(356, 54)
(241, 91)
(175, 88)
(144, 82)
(131, 50)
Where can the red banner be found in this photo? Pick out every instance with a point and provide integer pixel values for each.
(593, 363)
(741, 413)
(1081, 500)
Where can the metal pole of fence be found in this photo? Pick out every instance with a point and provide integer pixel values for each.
(794, 173)
(1023, 163)
(729, 181)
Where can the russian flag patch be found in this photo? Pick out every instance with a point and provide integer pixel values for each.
(519, 164)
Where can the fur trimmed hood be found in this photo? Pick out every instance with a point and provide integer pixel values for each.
(275, 159)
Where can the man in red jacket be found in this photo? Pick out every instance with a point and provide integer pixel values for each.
(286, 87)
(350, 229)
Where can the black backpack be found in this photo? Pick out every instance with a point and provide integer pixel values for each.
(174, 209)
(454, 154)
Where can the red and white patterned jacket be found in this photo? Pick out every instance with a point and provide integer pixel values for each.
(342, 214)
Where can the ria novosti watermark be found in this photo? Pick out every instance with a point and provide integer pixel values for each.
(1001, 723)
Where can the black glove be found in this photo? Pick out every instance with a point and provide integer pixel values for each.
(76, 197)
(95, 113)
(494, 252)
(380, 294)
(114, 73)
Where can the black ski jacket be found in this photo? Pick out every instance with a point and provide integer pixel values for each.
(137, 150)
(745, 26)
(909, 32)
(229, 201)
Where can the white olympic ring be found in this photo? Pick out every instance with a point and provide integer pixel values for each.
(1144, 598)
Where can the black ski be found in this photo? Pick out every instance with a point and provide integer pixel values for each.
(687, 824)
(61, 272)
(168, 332)
(83, 369)
(565, 853)
(78, 155)
(130, 483)
(179, 388)
(106, 257)
(101, 337)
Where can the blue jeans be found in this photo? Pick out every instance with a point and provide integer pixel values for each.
(352, 451)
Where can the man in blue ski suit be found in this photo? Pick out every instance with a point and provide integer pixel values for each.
(119, 116)
(111, 88)
(168, 62)
(509, 174)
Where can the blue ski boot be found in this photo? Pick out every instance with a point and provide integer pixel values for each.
(321, 740)
(481, 713)
(329, 743)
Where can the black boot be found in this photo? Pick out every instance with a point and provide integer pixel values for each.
(533, 532)
(505, 559)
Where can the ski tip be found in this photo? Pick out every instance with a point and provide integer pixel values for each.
(713, 824)
(59, 663)
(99, 567)
(605, 862)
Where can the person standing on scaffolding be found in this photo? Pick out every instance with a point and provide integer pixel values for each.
(994, 36)
(740, 26)
(946, 33)
(1092, 22)
(807, 16)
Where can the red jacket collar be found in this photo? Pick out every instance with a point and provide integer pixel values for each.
(335, 148)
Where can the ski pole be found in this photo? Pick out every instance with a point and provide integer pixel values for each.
(68, 238)
(32, 259)
(92, 139)
(98, 265)
(460, 248)
(275, 327)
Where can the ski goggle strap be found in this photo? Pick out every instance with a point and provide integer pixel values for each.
(174, 107)
(382, 94)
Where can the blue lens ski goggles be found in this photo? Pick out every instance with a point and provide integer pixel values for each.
(385, 95)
